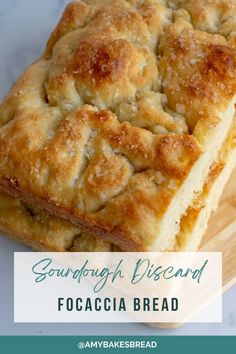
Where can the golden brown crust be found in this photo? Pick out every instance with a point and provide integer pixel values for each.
(75, 16)
(199, 66)
(105, 128)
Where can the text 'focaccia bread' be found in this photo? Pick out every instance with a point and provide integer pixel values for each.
(116, 126)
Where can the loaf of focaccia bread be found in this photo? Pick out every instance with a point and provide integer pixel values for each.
(46, 233)
(116, 126)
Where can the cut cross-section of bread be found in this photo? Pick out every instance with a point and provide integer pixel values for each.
(116, 126)
(194, 223)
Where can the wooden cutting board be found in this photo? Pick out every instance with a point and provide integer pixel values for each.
(221, 233)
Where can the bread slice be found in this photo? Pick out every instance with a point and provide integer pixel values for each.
(194, 223)
(46, 233)
(116, 126)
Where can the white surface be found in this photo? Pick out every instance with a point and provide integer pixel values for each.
(24, 28)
